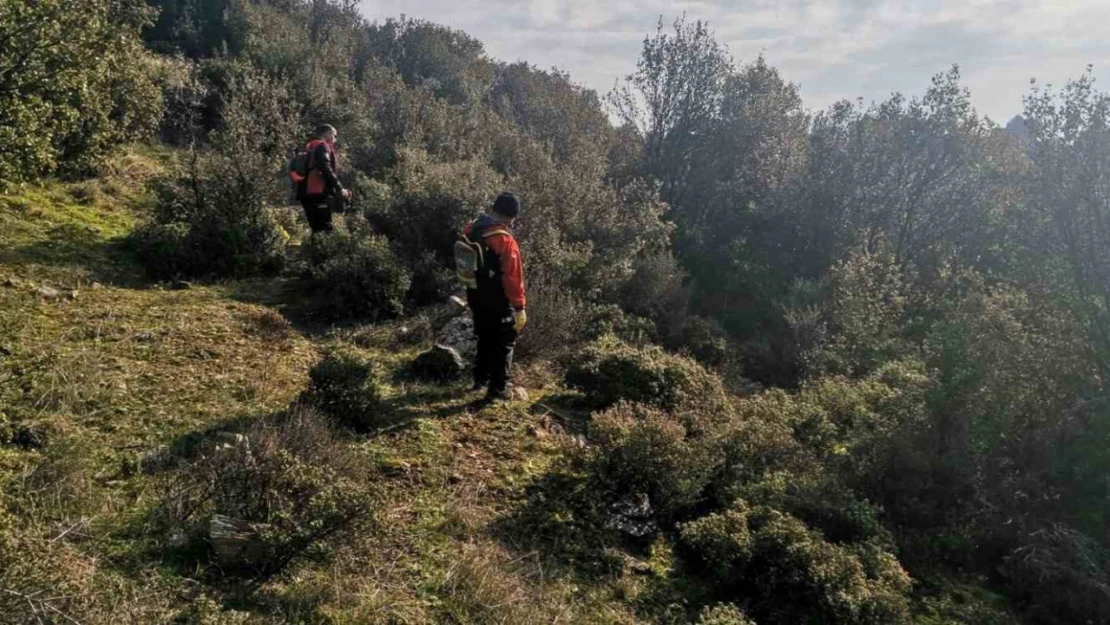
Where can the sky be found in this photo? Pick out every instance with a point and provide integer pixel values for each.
(833, 49)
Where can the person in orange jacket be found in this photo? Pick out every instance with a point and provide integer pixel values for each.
(322, 187)
(498, 303)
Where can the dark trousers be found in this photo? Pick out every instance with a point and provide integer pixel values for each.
(496, 340)
(318, 212)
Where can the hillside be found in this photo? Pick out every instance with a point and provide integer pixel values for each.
(782, 366)
(112, 370)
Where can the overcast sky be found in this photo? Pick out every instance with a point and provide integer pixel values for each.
(832, 48)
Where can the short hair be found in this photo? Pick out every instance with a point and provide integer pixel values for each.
(323, 129)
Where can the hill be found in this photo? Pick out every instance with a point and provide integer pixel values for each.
(843, 366)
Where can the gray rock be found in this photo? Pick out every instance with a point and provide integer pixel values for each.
(633, 516)
(237, 544)
(439, 364)
(48, 293)
(518, 393)
(458, 334)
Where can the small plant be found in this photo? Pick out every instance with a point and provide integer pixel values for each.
(723, 614)
(264, 498)
(345, 386)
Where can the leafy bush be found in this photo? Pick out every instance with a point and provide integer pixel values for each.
(609, 371)
(355, 275)
(723, 614)
(286, 485)
(76, 84)
(643, 450)
(214, 218)
(610, 319)
(345, 386)
(791, 573)
(557, 319)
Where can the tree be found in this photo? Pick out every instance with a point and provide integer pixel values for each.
(72, 83)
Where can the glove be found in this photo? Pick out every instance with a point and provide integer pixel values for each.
(519, 319)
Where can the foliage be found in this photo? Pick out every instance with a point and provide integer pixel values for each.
(609, 371)
(642, 450)
(214, 218)
(355, 275)
(767, 555)
(74, 84)
(723, 614)
(345, 386)
(289, 480)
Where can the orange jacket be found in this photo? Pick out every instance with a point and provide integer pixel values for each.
(508, 255)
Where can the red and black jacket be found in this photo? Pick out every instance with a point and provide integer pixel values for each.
(322, 180)
(501, 278)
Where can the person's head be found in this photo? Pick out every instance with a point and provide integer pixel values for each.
(505, 208)
(326, 132)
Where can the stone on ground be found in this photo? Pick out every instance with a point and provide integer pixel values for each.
(439, 364)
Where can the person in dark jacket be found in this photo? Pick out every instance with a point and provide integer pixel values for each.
(322, 187)
(498, 304)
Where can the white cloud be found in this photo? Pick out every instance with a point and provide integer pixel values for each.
(832, 48)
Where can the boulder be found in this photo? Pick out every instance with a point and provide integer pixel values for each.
(458, 334)
(439, 364)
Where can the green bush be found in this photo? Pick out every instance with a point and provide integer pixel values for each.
(287, 485)
(345, 386)
(723, 614)
(610, 319)
(791, 574)
(355, 275)
(214, 218)
(642, 450)
(609, 371)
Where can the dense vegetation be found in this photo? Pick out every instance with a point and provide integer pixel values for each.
(841, 366)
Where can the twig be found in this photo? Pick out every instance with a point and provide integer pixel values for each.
(82, 521)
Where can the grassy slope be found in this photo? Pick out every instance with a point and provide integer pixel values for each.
(90, 384)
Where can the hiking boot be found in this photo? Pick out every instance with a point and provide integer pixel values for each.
(478, 386)
(499, 396)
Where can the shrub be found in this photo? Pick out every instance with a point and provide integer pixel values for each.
(214, 218)
(609, 371)
(791, 573)
(606, 319)
(557, 319)
(346, 387)
(1062, 575)
(355, 275)
(285, 486)
(723, 614)
(643, 450)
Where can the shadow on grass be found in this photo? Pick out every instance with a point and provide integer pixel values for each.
(83, 251)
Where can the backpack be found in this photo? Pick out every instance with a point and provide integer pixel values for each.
(299, 167)
(470, 257)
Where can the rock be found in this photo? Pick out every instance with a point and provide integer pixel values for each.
(96, 286)
(72, 295)
(458, 302)
(458, 334)
(633, 516)
(144, 337)
(48, 293)
(11, 283)
(181, 285)
(518, 393)
(237, 544)
(439, 364)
